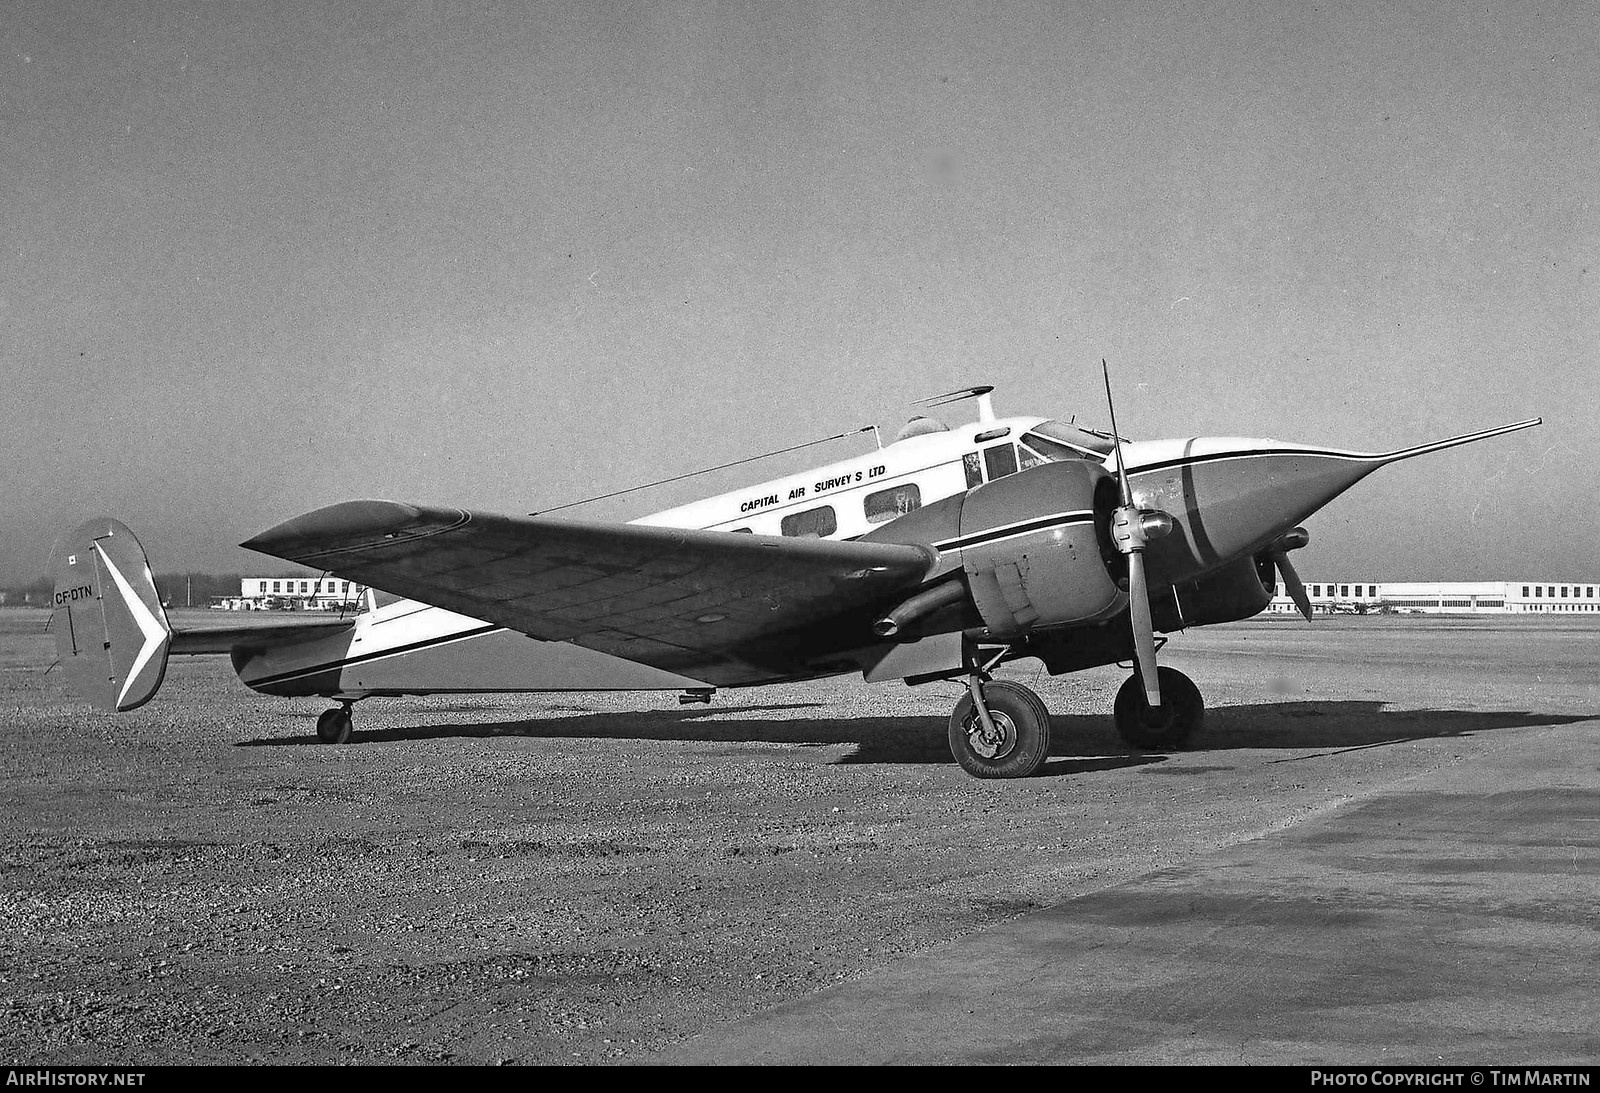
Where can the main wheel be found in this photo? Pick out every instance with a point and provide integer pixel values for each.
(1020, 743)
(1167, 728)
(335, 725)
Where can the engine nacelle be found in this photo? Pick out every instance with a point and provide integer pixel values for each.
(1236, 591)
(1036, 551)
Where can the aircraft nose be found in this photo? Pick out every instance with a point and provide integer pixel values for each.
(1230, 497)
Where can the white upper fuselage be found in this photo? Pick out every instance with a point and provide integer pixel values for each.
(854, 495)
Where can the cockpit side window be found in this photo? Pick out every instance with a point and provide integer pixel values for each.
(1000, 460)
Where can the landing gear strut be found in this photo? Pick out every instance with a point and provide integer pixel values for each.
(999, 729)
(1166, 727)
(335, 725)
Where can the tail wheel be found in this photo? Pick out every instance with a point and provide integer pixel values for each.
(335, 725)
(1167, 727)
(1020, 743)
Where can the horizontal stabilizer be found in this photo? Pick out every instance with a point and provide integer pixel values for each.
(111, 633)
(256, 638)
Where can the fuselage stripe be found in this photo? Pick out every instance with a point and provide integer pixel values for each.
(1190, 460)
(1022, 527)
(285, 677)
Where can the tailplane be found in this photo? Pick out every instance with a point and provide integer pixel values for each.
(111, 632)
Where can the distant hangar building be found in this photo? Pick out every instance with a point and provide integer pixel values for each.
(1442, 597)
(293, 594)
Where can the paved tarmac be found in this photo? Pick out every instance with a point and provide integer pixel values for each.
(1452, 920)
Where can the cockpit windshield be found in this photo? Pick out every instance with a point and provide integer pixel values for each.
(1053, 442)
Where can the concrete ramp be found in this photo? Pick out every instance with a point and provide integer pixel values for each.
(1455, 920)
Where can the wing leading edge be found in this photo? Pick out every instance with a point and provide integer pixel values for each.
(729, 609)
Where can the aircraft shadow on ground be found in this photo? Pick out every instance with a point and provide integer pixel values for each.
(1089, 741)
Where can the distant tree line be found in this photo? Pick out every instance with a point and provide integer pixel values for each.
(195, 589)
(34, 594)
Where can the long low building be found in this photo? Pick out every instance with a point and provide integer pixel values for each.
(1443, 597)
(292, 594)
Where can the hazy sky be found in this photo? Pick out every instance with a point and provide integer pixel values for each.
(259, 258)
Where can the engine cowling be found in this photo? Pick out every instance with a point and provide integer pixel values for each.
(1035, 549)
(1236, 591)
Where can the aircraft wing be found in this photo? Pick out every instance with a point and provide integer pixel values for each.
(726, 608)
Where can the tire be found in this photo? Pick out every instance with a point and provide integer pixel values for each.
(335, 726)
(1167, 729)
(1024, 726)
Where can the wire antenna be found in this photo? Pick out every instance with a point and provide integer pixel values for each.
(708, 470)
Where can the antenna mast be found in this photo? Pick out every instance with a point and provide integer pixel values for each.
(982, 393)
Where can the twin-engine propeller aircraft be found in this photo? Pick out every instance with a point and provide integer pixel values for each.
(937, 557)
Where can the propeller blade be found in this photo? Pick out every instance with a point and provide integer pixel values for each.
(1291, 581)
(1144, 642)
(1111, 406)
(1129, 530)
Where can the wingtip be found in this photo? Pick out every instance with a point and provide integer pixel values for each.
(334, 526)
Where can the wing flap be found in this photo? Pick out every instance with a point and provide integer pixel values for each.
(706, 603)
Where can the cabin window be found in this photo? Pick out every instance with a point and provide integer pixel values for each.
(888, 504)
(818, 523)
(974, 469)
(1000, 460)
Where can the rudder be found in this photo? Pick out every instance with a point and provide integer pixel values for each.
(111, 633)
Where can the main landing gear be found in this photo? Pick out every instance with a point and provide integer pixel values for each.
(1166, 727)
(999, 729)
(335, 725)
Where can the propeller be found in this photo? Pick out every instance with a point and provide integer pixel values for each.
(1131, 529)
(1278, 555)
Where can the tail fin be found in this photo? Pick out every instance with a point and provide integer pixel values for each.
(111, 633)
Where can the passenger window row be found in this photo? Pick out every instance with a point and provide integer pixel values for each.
(995, 461)
(820, 522)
